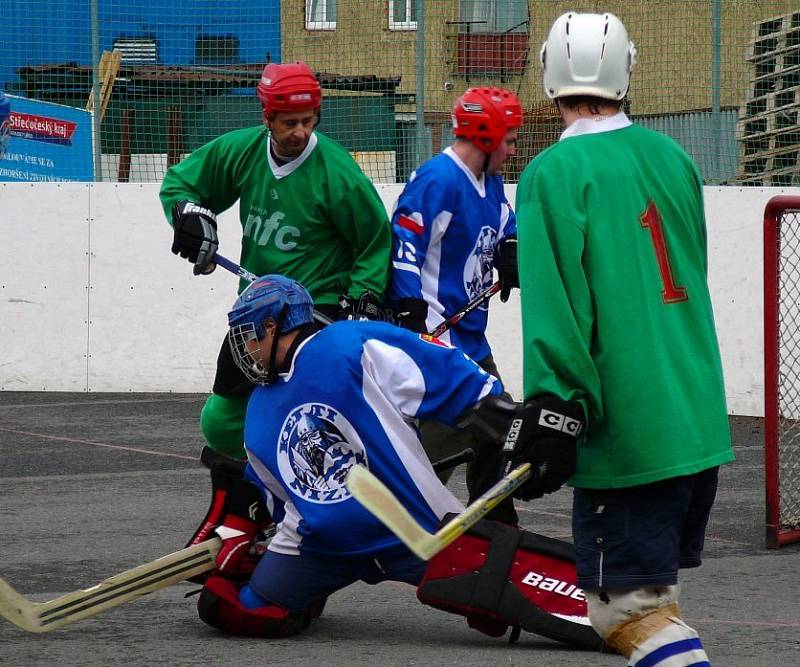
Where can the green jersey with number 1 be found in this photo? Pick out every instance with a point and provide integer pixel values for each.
(615, 303)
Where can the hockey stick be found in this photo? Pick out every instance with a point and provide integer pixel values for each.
(237, 270)
(142, 579)
(450, 322)
(234, 268)
(373, 494)
(448, 462)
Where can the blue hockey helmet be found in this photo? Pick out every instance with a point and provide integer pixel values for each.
(274, 298)
(5, 123)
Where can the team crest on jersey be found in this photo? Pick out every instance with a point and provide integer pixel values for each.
(478, 269)
(317, 447)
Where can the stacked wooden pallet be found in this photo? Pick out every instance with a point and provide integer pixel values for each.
(769, 121)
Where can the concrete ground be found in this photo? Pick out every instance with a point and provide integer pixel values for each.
(93, 484)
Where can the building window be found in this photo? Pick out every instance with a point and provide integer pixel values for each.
(320, 14)
(137, 50)
(402, 14)
(214, 50)
(494, 16)
(492, 37)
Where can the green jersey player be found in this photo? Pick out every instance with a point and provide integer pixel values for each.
(306, 210)
(618, 329)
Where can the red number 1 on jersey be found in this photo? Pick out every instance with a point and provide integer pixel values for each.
(651, 219)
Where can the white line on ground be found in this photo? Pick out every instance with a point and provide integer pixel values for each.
(93, 443)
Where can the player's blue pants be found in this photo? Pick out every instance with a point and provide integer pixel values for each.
(641, 535)
(297, 582)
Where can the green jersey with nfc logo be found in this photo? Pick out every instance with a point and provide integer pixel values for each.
(615, 304)
(317, 219)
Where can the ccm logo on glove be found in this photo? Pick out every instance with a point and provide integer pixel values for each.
(557, 422)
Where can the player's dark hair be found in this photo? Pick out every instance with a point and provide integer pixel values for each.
(590, 102)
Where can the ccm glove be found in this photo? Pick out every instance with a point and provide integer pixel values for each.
(195, 236)
(411, 313)
(507, 267)
(364, 308)
(545, 434)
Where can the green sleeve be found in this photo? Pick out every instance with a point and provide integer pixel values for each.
(205, 177)
(360, 217)
(698, 179)
(557, 311)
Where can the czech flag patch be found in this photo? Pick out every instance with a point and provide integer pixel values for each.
(409, 223)
(435, 341)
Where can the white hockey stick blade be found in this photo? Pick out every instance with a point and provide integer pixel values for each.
(373, 494)
(109, 593)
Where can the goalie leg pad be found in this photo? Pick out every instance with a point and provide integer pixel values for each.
(219, 606)
(229, 493)
(499, 576)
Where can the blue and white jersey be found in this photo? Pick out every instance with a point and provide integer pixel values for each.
(351, 396)
(446, 226)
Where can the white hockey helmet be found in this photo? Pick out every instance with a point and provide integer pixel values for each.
(587, 54)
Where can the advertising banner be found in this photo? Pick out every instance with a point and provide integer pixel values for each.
(49, 142)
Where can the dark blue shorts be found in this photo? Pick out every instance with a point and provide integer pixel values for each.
(296, 582)
(641, 535)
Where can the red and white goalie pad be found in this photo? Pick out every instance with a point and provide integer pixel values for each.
(499, 576)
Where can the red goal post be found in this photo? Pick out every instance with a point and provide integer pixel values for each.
(782, 369)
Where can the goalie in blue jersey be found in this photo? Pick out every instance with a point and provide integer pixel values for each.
(326, 399)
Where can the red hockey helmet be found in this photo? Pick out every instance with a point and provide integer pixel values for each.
(482, 116)
(289, 87)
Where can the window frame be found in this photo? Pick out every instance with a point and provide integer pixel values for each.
(324, 24)
(491, 11)
(410, 24)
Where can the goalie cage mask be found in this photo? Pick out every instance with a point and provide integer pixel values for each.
(271, 298)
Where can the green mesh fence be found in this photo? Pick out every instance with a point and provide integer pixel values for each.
(722, 78)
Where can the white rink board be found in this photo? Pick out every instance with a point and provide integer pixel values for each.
(43, 282)
(154, 326)
(148, 324)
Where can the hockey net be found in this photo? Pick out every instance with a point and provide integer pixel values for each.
(782, 369)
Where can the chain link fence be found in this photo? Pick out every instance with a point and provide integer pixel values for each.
(160, 78)
(788, 358)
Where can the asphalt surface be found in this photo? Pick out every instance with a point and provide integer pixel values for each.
(93, 484)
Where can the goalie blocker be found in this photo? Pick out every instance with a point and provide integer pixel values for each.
(498, 576)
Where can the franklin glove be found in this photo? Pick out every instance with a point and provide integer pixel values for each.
(507, 267)
(364, 308)
(411, 313)
(195, 235)
(545, 434)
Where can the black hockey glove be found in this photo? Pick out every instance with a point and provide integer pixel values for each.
(490, 418)
(411, 313)
(364, 308)
(545, 434)
(195, 235)
(507, 267)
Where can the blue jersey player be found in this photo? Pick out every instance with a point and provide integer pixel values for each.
(451, 227)
(329, 398)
